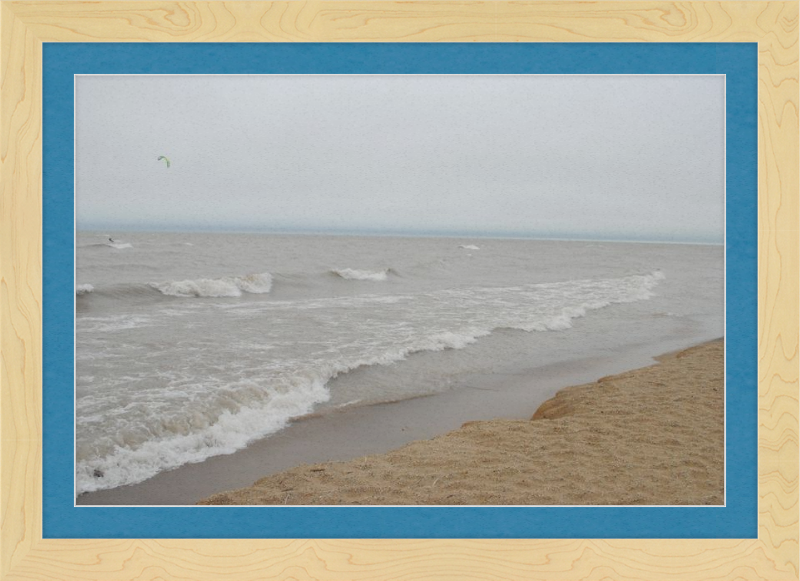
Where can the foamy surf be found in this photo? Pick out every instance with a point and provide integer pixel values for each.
(83, 289)
(353, 274)
(230, 431)
(133, 460)
(222, 395)
(217, 287)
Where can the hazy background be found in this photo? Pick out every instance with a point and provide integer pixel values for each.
(593, 157)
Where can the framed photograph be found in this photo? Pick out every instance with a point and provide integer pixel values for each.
(274, 242)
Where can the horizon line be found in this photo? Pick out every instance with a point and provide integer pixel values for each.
(588, 237)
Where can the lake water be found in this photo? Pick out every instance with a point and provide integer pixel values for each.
(191, 345)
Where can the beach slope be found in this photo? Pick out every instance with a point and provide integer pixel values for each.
(652, 436)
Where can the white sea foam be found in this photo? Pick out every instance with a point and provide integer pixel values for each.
(255, 283)
(230, 432)
(469, 247)
(353, 274)
(120, 245)
(217, 287)
(112, 323)
(83, 289)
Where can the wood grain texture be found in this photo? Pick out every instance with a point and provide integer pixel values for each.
(20, 290)
(23, 552)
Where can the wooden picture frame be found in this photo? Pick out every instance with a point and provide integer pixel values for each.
(24, 554)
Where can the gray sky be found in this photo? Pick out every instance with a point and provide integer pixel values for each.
(619, 157)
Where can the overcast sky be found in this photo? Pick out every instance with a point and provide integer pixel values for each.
(608, 157)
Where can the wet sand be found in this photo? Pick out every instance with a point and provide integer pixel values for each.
(512, 393)
(651, 436)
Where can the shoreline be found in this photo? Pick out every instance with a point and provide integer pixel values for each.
(649, 436)
(513, 393)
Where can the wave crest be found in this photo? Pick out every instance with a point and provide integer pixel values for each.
(217, 287)
(229, 432)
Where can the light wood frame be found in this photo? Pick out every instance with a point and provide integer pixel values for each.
(24, 26)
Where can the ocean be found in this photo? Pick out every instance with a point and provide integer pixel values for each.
(191, 345)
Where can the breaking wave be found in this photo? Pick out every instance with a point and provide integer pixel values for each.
(177, 445)
(217, 287)
(173, 442)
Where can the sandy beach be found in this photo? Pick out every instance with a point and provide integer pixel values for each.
(651, 436)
